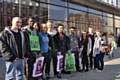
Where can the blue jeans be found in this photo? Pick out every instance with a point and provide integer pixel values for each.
(99, 61)
(14, 70)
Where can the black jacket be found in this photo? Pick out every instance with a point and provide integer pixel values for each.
(57, 42)
(8, 46)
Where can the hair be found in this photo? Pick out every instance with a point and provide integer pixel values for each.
(14, 18)
(104, 34)
(83, 33)
(41, 26)
(60, 25)
(31, 18)
(49, 21)
(110, 33)
(90, 27)
(86, 37)
(38, 25)
(73, 27)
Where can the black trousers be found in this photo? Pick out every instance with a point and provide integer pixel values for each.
(85, 64)
(54, 58)
(46, 64)
(30, 62)
(91, 60)
(99, 61)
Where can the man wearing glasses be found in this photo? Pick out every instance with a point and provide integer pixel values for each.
(13, 48)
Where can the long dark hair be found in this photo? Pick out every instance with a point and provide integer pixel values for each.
(86, 37)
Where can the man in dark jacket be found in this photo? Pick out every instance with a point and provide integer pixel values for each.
(13, 48)
(61, 43)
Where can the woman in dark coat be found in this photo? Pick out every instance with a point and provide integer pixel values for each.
(86, 49)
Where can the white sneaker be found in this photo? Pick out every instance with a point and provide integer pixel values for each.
(98, 70)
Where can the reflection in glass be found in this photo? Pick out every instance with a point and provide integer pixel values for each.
(57, 13)
(58, 2)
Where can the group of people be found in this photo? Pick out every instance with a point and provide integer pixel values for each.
(17, 44)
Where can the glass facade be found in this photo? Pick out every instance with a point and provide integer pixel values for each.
(110, 2)
(60, 11)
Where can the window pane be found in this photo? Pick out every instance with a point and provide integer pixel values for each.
(95, 11)
(95, 21)
(108, 24)
(78, 19)
(1, 7)
(117, 17)
(117, 23)
(58, 2)
(107, 14)
(57, 13)
(78, 7)
(43, 11)
(110, 21)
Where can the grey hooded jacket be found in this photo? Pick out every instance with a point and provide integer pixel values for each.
(8, 46)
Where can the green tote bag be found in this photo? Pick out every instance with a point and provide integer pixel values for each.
(70, 62)
(34, 43)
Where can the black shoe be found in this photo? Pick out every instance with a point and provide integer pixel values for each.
(79, 70)
(91, 68)
(48, 77)
(42, 78)
(59, 76)
(66, 72)
(86, 70)
(83, 70)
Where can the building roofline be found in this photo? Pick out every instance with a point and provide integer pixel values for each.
(98, 6)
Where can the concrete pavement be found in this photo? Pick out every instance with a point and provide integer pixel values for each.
(110, 72)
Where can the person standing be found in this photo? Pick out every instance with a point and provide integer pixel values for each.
(44, 43)
(86, 49)
(32, 29)
(91, 35)
(98, 51)
(52, 32)
(112, 45)
(75, 46)
(14, 49)
(61, 42)
(30, 23)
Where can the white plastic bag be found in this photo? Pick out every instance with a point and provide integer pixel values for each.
(38, 65)
(59, 63)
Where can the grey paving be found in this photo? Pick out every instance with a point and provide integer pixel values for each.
(110, 72)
